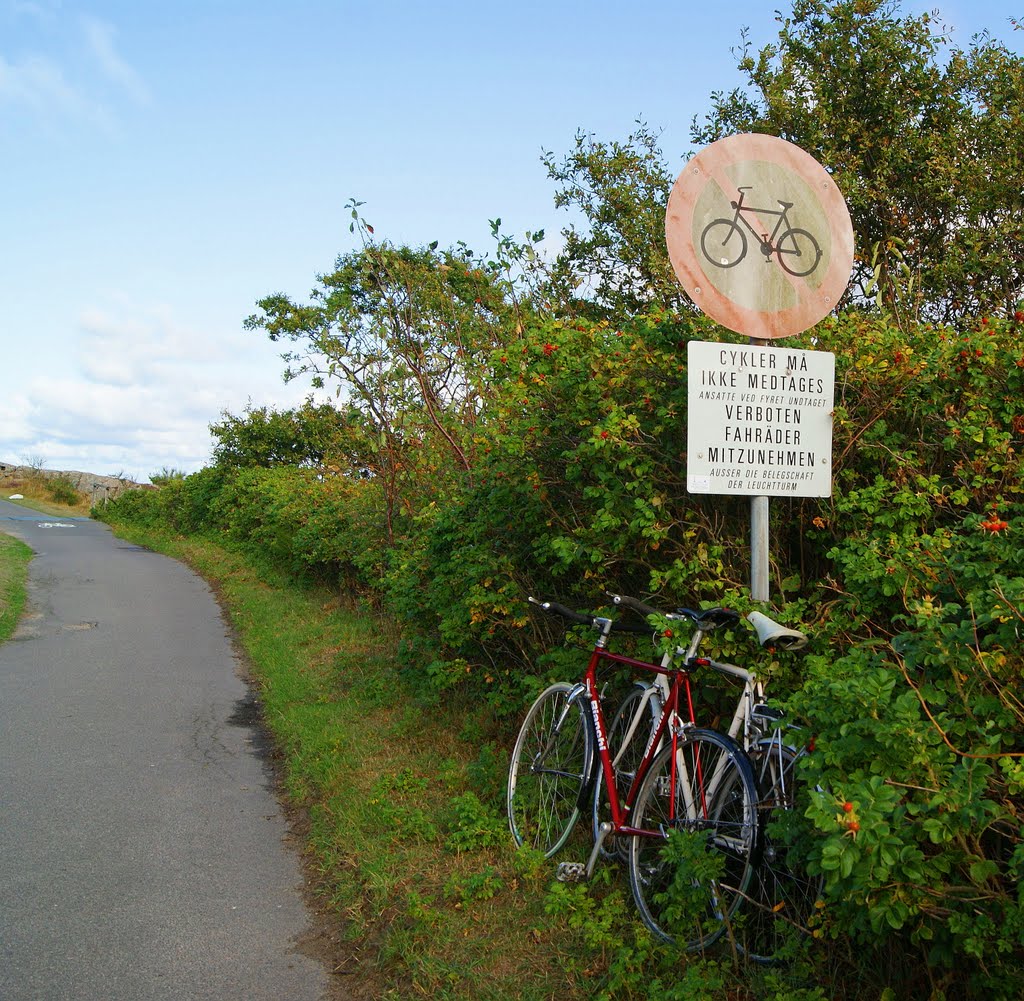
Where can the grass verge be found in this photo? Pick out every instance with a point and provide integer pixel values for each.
(14, 560)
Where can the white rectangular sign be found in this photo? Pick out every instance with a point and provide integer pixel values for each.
(759, 420)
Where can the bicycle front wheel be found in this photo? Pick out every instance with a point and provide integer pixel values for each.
(689, 873)
(550, 769)
(724, 243)
(782, 895)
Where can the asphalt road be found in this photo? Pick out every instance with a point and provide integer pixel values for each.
(143, 854)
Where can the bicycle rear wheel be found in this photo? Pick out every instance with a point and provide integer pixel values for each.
(690, 876)
(626, 745)
(798, 252)
(782, 895)
(550, 769)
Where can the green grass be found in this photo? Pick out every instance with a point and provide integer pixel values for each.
(14, 560)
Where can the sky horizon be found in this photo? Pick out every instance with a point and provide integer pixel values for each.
(169, 165)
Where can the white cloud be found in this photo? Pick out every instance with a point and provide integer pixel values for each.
(69, 87)
(39, 84)
(100, 38)
(126, 344)
(141, 393)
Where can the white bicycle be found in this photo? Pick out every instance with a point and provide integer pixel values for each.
(780, 897)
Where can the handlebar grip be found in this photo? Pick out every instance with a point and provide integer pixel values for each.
(568, 613)
(634, 604)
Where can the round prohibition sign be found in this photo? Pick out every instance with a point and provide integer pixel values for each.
(759, 236)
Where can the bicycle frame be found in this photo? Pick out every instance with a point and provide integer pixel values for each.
(669, 720)
(753, 692)
(764, 238)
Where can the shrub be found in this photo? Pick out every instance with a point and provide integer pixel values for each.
(62, 491)
(165, 476)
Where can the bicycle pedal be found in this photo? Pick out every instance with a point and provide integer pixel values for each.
(571, 872)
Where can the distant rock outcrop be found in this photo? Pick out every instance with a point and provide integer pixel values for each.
(97, 488)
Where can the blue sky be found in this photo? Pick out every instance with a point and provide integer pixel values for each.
(166, 165)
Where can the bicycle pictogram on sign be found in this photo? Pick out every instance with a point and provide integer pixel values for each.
(724, 242)
(753, 192)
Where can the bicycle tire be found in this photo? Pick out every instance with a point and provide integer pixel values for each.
(782, 896)
(550, 768)
(802, 253)
(625, 760)
(714, 776)
(735, 254)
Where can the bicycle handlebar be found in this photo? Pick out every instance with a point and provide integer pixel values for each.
(769, 632)
(707, 619)
(595, 621)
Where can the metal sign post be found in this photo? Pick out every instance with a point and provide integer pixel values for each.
(760, 535)
(761, 239)
(759, 548)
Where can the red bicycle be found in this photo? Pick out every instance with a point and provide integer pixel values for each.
(693, 795)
